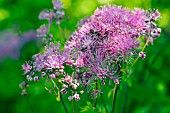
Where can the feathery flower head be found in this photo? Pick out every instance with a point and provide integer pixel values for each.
(108, 37)
(96, 50)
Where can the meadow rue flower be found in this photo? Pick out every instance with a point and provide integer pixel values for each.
(68, 79)
(104, 40)
(57, 4)
(26, 67)
(70, 62)
(47, 14)
(42, 31)
(97, 50)
(79, 62)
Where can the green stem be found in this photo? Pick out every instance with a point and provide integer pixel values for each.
(45, 87)
(125, 100)
(73, 105)
(147, 41)
(62, 33)
(32, 111)
(65, 108)
(55, 86)
(114, 98)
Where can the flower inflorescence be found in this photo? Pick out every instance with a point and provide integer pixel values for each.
(95, 52)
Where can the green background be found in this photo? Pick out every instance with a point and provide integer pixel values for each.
(149, 85)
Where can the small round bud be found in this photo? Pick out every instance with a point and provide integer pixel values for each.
(100, 75)
(63, 91)
(23, 85)
(142, 55)
(116, 81)
(52, 76)
(36, 78)
(81, 92)
(24, 92)
(29, 78)
(65, 86)
(159, 30)
(76, 97)
(43, 74)
(70, 98)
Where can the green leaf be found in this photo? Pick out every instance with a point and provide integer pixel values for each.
(89, 104)
(88, 108)
(110, 92)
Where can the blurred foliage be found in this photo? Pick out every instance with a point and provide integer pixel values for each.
(148, 86)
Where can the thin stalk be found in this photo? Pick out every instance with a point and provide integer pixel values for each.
(61, 31)
(73, 106)
(26, 98)
(65, 108)
(44, 86)
(114, 98)
(125, 100)
(147, 41)
(55, 86)
(95, 101)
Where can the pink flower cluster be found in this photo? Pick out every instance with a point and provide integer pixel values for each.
(95, 51)
(104, 41)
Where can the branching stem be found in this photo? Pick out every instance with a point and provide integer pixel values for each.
(147, 41)
(61, 31)
(55, 86)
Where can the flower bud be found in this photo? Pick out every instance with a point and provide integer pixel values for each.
(52, 76)
(36, 78)
(63, 91)
(116, 81)
(74, 86)
(76, 97)
(70, 98)
(142, 55)
(65, 86)
(81, 92)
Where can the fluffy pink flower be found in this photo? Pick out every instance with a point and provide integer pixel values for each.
(79, 62)
(26, 67)
(68, 79)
